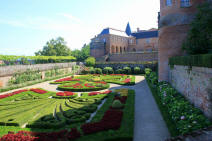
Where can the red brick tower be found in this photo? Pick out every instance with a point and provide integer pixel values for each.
(175, 17)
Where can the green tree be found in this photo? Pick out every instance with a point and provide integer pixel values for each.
(199, 40)
(82, 54)
(90, 61)
(55, 47)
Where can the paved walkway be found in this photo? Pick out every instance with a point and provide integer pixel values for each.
(149, 124)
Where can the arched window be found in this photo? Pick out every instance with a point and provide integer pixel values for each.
(168, 2)
(134, 50)
(185, 3)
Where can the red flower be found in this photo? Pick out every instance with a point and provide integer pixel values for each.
(77, 85)
(64, 79)
(106, 92)
(42, 136)
(93, 93)
(66, 93)
(89, 85)
(101, 82)
(111, 120)
(39, 91)
(127, 80)
(11, 94)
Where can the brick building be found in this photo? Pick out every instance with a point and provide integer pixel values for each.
(113, 41)
(175, 17)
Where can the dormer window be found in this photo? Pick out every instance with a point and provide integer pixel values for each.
(168, 2)
(185, 3)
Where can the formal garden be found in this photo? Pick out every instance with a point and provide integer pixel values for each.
(83, 109)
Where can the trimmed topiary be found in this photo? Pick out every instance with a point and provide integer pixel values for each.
(127, 70)
(117, 104)
(137, 70)
(98, 70)
(108, 70)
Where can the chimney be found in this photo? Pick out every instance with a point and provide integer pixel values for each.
(138, 29)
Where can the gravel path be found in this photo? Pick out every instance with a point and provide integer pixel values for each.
(149, 124)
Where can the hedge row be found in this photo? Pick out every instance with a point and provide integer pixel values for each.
(193, 60)
(12, 59)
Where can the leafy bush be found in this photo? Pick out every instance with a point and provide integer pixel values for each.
(137, 70)
(90, 61)
(186, 117)
(127, 70)
(147, 71)
(199, 39)
(91, 70)
(108, 70)
(193, 60)
(117, 104)
(119, 71)
(29, 75)
(98, 70)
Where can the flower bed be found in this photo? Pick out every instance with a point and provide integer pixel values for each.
(66, 93)
(64, 80)
(181, 116)
(37, 90)
(13, 93)
(116, 124)
(82, 86)
(96, 93)
(111, 120)
(41, 136)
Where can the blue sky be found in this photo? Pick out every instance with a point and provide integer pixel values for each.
(26, 25)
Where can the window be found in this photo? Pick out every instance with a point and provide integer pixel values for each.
(185, 3)
(168, 2)
(147, 41)
(136, 41)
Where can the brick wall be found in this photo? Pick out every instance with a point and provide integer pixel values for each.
(195, 84)
(134, 57)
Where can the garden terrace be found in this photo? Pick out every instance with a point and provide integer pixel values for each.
(39, 111)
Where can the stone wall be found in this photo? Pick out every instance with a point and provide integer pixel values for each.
(134, 57)
(6, 72)
(10, 70)
(195, 84)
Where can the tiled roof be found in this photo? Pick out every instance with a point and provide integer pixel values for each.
(113, 32)
(145, 34)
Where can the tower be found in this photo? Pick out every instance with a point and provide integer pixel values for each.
(175, 17)
(128, 29)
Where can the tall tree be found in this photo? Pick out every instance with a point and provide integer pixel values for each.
(82, 54)
(55, 47)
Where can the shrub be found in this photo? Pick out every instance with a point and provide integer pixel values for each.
(91, 70)
(137, 70)
(90, 61)
(117, 104)
(98, 70)
(119, 71)
(108, 70)
(127, 70)
(199, 39)
(147, 71)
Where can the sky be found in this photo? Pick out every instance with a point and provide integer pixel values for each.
(26, 25)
